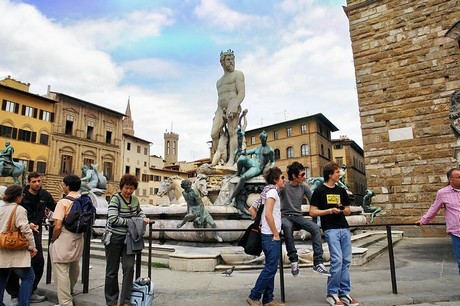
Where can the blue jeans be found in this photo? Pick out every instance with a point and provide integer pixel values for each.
(339, 242)
(456, 246)
(290, 224)
(265, 283)
(27, 277)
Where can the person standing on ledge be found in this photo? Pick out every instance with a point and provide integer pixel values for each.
(231, 92)
(448, 198)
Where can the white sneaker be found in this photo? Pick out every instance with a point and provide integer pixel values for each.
(333, 300)
(295, 268)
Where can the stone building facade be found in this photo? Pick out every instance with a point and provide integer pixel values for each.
(406, 70)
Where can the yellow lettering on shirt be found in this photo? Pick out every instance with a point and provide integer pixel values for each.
(333, 199)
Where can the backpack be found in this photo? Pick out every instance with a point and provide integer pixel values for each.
(81, 214)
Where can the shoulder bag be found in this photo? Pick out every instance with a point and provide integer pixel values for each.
(11, 239)
(251, 240)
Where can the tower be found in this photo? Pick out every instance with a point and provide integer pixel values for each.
(171, 147)
(128, 123)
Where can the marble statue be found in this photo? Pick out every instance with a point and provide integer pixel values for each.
(8, 167)
(93, 180)
(171, 186)
(454, 114)
(341, 181)
(253, 163)
(367, 199)
(231, 92)
(196, 212)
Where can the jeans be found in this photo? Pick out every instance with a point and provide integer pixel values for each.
(115, 251)
(265, 283)
(25, 290)
(456, 246)
(291, 223)
(339, 242)
(38, 264)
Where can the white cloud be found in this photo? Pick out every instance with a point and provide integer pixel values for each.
(217, 14)
(110, 32)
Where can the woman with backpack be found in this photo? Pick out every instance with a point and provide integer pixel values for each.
(16, 261)
(124, 208)
(270, 235)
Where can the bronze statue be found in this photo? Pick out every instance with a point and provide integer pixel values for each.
(262, 158)
(195, 210)
(231, 92)
(373, 210)
(8, 167)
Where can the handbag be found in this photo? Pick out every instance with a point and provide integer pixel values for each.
(251, 240)
(11, 239)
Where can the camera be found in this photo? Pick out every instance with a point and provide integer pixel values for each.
(341, 207)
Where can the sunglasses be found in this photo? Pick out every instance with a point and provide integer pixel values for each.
(302, 174)
(282, 177)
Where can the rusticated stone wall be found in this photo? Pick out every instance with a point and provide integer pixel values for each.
(406, 70)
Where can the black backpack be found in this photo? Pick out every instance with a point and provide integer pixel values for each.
(81, 214)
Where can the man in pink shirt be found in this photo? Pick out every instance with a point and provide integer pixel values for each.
(449, 199)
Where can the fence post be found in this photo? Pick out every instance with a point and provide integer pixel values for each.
(283, 298)
(48, 258)
(392, 260)
(85, 259)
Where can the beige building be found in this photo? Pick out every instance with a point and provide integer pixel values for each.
(407, 66)
(306, 140)
(346, 151)
(26, 122)
(83, 134)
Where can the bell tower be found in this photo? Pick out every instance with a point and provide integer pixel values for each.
(171, 147)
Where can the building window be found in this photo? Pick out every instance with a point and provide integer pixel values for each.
(138, 149)
(41, 167)
(138, 173)
(10, 106)
(27, 135)
(87, 162)
(322, 149)
(289, 132)
(155, 190)
(66, 164)
(29, 111)
(253, 139)
(108, 170)
(338, 146)
(46, 116)
(44, 139)
(277, 154)
(174, 148)
(108, 137)
(168, 147)
(6, 131)
(305, 150)
(329, 153)
(275, 135)
(146, 152)
(290, 152)
(69, 125)
(156, 178)
(128, 146)
(339, 161)
(127, 169)
(303, 129)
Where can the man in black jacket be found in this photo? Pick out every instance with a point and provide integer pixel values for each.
(38, 202)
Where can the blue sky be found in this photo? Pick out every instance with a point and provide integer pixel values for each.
(164, 54)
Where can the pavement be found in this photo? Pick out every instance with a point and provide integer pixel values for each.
(426, 274)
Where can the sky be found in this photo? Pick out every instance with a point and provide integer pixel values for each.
(163, 56)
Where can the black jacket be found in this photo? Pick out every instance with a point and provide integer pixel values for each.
(36, 204)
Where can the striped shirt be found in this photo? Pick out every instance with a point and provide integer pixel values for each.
(449, 199)
(119, 211)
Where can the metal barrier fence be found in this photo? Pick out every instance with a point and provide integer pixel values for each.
(88, 235)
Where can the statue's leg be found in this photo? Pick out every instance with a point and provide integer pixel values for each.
(217, 124)
(187, 218)
(233, 139)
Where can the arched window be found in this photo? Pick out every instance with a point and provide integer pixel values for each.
(277, 154)
(304, 150)
(290, 152)
(168, 147)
